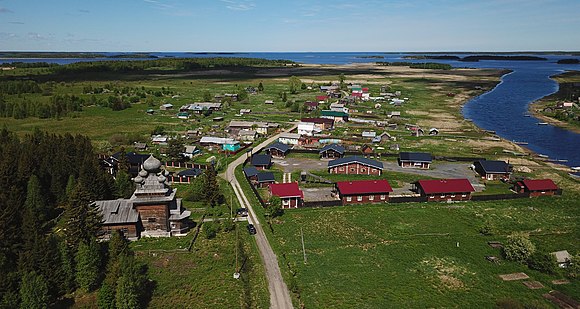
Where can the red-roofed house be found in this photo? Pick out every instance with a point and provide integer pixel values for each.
(445, 189)
(537, 187)
(289, 193)
(321, 98)
(363, 191)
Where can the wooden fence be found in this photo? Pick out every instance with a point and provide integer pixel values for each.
(496, 197)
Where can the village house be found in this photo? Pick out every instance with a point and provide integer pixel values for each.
(260, 127)
(211, 141)
(493, 170)
(159, 139)
(355, 165)
(338, 107)
(264, 179)
(321, 99)
(334, 115)
(563, 258)
(366, 149)
(140, 146)
(320, 123)
(394, 114)
(289, 138)
(183, 115)
(310, 106)
(251, 173)
(244, 111)
(415, 160)
(187, 176)
(363, 191)
(152, 210)
(134, 160)
(328, 89)
(438, 190)
(270, 102)
(231, 146)
(247, 135)
(369, 134)
(190, 151)
(261, 161)
(289, 193)
(277, 150)
(307, 128)
(537, 187)
(331, 151)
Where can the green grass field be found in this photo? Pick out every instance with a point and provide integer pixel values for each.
(419, 255)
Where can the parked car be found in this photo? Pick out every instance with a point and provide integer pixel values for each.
(242, 212)
(251, 229)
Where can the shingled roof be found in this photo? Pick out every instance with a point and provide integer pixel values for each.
(261, 160)
(285, 190)
(446, 186)
(355, 159)
(278, 146)
(415, 156)
(494, 167)
(540, 184)
(336, 147)
(117, 211)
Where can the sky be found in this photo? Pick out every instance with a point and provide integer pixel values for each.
(287, 26)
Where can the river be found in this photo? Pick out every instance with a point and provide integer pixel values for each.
(502, 109)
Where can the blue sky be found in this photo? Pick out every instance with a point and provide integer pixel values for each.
(294, 25)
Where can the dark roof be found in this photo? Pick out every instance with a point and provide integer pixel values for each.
(279, 146)
(540, 184)
(261, 160)
(332, 113)
(117, 211)
(415, 156)
(491, 166)
(266, 177)
(446, 186)
(250, 171)
(132, 157)
(192, 172)
(318, 120)
(282, 190)
(336, 147)
(363, 187)
(361, 160)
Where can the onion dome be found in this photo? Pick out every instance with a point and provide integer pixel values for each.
(138, 179)
(152, 165)
(143, 173)
(161, 178)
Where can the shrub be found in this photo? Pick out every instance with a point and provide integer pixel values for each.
(518, 247)
(542, 261)
(210, 229)
(487, 229)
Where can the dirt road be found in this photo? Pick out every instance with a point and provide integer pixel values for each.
(279, 293)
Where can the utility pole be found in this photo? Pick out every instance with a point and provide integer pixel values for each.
(236, 271)
(303, 250)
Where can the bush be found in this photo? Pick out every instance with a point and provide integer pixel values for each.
(542, 261)
(487, 229)
(228, 225)
(518, 247)
(210, 229)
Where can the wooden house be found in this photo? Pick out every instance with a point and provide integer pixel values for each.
(289, 193)
(310, 106)
(363, 191)
(332, 151)
(537, 187)
(289, 138)
(439, 190)
(261, 161)
(320, 123)
(355, 165)
(264, 179)
(493, 170)
(415, 160)
(334, 115)
(277, 150)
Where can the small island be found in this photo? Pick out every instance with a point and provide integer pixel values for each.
(561, 108)
(476, 58)
(568, 61)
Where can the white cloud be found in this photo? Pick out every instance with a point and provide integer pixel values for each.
(236, 5)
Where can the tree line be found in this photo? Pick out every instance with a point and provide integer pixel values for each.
(50, 225)
(426, 65)
(56, 106)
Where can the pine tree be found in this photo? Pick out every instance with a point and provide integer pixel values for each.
(211, 190)
(70, 185)
(88, 261)
(106, 297)
(82, 221)
(33, 292)
(123, 185)
(132, 285)
(175, 149)
(67, 269)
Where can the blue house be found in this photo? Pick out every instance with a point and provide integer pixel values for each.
(232, 146)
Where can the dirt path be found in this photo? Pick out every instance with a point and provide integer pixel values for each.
(279, 293)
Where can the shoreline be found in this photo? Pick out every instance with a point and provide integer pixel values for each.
(555, 122)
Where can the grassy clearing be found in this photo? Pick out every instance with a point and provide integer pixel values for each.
(408, 255)
(203, 278)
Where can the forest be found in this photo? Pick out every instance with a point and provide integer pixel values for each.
(48, 242)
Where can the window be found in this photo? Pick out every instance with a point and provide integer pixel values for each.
(359, 198)
(341, 169)
(363, 170)
(352, 169)
(383, 197)
(431, 197)
(151, 219)
(463, 195)
(371, 197)
(285, 202)
(349, 198)
(442, 196)
(452, 195)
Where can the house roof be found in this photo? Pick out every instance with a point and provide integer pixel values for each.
(261, 160)
(311, 104)
(117, 211)
(318, 120)
(496, 167)
(215, 140)
(540, 184)
(415, 156)
(562, 256)
(335, 147)
(321, 97)
(266, 177)
(132, 157)
(446, 186)
(357, 159)
(191, 172)
(363, 187)
(289, 135)
(333, 113)
(279, 146)
(283, 190)
(250, 171)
